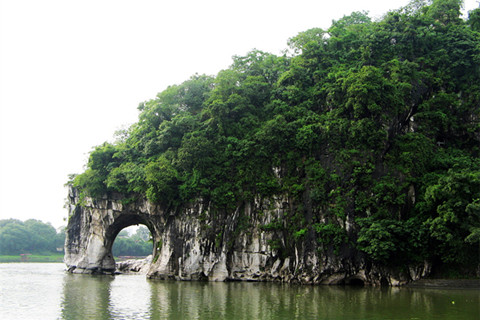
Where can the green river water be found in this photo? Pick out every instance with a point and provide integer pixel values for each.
(45, 291)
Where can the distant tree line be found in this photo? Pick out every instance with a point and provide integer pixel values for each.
(138, 244)
(36, 237)
(32, 236)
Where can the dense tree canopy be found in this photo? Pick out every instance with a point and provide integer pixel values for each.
(371, 123)
(31, 236)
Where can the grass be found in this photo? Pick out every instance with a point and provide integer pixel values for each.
(32, 258)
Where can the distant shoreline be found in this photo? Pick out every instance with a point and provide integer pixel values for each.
(31, 258)
(50, 258)
(446, 283)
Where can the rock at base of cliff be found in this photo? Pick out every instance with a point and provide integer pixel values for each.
(134, 266)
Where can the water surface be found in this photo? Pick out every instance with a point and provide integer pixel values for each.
(45, 291)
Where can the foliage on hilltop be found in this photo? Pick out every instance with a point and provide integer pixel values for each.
(370, 123)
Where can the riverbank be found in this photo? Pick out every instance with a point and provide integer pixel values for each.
(31, 258)
(140, 266)
(446, 283)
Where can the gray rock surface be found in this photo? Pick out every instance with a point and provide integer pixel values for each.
(136, 266)
(194, 243)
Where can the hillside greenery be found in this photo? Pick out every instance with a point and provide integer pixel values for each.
(370, 124)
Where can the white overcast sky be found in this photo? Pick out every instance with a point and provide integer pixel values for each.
(73, 72)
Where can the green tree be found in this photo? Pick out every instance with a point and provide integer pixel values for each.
(453, 203)
(14, 239)
(137, 244)
(474, 19)
(42, 236)
(161, 178)
(31, 236)
(142, 234)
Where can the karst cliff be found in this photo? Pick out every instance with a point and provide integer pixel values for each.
(191, 244)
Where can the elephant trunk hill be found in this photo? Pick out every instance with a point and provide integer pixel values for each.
(192, 244)
(352, 159)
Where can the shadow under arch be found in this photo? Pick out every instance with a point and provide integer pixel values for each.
(353, 281)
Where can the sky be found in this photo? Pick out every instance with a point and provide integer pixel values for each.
(73, 72)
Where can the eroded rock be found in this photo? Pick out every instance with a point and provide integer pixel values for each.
(194, 243)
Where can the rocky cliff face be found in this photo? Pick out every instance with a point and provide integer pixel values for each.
(194, 243)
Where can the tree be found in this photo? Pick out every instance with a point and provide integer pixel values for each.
(42, 236)
(14, 239)
(161, 178)
(453, 206)
(31, 236)
(136, 245)
(474, 19)
(142, 234)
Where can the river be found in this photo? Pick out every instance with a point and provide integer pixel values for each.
(46, 291)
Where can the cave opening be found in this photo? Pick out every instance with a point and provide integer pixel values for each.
(131, 236)
(133, 242)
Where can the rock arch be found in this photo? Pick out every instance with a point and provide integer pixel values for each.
(93, 227)
(192, 242)
(124, 221)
